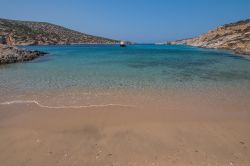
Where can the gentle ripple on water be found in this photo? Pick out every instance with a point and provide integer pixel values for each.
(136, 66)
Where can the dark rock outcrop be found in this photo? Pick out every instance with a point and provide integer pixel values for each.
(9, 54)
(234, 36)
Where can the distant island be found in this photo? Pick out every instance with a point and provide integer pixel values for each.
(234, 36)
(15, 32)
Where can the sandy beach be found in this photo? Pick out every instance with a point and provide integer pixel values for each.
(147, 128)
(125, 83)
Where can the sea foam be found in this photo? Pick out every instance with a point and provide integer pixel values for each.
(62, 107)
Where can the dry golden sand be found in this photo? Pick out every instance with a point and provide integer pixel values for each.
(161, 128)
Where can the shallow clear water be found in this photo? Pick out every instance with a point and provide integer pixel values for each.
(136, 66)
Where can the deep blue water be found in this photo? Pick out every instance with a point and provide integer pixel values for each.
(136, 66)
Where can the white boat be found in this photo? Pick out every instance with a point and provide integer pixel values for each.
(122, 44)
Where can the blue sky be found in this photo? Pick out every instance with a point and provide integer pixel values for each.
(133, 20)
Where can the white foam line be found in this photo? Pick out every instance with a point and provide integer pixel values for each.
(61, 107)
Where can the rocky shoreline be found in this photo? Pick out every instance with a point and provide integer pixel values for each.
(242, 51)
(234, 36)
(10, 54)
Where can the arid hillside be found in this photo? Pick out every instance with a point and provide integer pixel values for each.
(234, 36)
(42, 33)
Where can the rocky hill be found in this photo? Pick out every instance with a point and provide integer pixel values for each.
(234, 36)
(42, 33)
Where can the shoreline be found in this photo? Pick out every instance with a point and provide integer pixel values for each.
(23, 55)
(182, 123)
(70, 44)
(11, 54)
(233, 36)
(148, 97)
(233, 51)
(163, 128)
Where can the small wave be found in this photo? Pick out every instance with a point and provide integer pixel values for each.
(61, 107)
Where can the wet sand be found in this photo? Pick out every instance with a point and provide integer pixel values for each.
(147, 128)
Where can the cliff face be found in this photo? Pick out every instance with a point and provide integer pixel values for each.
(33, 33)
(234, 36)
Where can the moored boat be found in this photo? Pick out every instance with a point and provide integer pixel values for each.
(122, 44)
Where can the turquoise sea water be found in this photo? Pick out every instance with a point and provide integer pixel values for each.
(135, 66)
